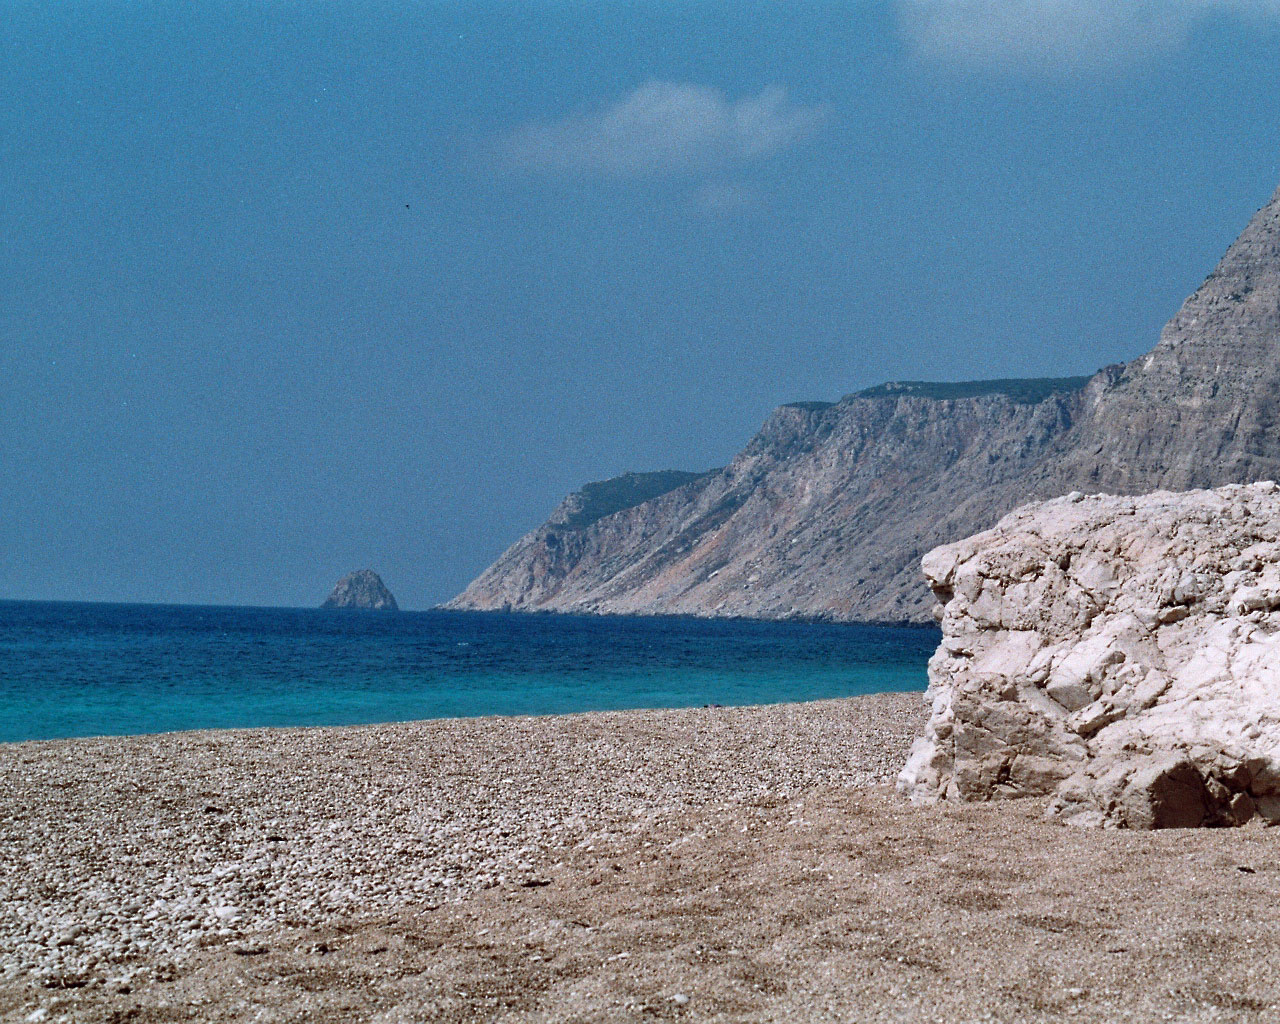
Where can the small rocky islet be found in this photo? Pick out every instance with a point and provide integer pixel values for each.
(362, 590)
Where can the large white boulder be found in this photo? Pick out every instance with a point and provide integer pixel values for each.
(1119, 653)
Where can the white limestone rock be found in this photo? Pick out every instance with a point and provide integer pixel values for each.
(1119, 653)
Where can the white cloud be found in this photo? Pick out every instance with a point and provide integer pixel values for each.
(1052, 35)
(665, 128)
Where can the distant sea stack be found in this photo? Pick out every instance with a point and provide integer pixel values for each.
(828, 510)
(362, 589)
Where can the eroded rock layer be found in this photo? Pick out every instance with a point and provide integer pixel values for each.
(1119, 653)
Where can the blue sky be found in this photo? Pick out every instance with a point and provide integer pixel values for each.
(288, 289)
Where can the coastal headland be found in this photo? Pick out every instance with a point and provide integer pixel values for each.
(709, 864)
(828, 510)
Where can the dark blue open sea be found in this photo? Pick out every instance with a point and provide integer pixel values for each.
(103, 669)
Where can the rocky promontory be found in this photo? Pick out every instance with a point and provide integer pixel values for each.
(828, 510)
(824, 514)
(1121, 654)
(361, 589)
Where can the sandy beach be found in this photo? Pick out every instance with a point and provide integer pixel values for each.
(725, 864)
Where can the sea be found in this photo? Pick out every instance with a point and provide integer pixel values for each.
(69, 669)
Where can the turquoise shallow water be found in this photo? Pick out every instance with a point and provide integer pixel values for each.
(101, 669)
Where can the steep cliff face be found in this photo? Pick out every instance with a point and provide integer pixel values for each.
(828, 510)
(1202, 408)
(825, 506)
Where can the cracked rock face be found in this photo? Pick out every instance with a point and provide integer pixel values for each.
(1119, 653)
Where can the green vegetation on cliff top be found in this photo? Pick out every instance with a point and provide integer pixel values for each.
(1021, 390)
(809, 406)
(605, 497)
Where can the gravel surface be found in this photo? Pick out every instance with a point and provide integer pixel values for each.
(720, 865)
(122, 855)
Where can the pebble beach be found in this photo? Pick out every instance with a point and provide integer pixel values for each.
(699, 864)
(120, 855)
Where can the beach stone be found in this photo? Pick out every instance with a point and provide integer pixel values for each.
(1120, 655)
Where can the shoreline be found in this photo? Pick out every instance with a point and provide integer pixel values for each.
(798, 619)
(754, 861)
(494, 717)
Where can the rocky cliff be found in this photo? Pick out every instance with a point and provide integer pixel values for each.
(361, 589)
(828, 510)
(1202, 408)
(1119, 653)
(825, 513)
